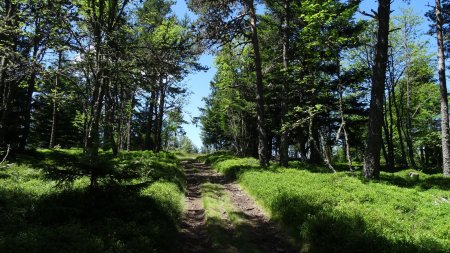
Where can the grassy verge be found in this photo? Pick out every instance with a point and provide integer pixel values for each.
(343, 213)
(135, 209)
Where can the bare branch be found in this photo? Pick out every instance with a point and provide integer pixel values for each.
(8, 148)
(374, 14)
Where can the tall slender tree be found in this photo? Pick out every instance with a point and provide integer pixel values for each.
(283, 10)
(374, 132)
(443, 90)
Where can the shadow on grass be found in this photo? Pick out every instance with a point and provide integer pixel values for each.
(326, 231)
(65, 166)
(121, 215)
(233, 172)
(430, 179)
(313, 168)
(422, 183)
(112, 219)
(321, 229)
(42, 159)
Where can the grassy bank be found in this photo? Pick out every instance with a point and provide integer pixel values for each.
(46, 205)
(343, 213)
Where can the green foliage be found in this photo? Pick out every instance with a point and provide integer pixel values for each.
(343, 213)
(153, 12)
(228, 119)
(232, 167)
(215, 157)
(166, 54)
(133, 215)
(187, 146)
(304, 91)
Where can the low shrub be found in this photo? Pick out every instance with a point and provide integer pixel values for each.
(231, 168)
(215, 157)
(343, 213)
(138, 212)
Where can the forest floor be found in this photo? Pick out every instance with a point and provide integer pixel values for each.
(342, 212)
(221, 217)
(147, 202)
(46, 204)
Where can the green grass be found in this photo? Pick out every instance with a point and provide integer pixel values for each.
(216, 157)
(184, 156)
(135, 209)
(344, 213)
(227, 227)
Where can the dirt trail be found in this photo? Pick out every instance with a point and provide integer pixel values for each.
(194, 232)
(260, 231)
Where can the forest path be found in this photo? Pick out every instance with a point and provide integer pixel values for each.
(221, 217)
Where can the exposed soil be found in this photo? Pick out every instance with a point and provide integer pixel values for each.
(260, 230)
(194, 234)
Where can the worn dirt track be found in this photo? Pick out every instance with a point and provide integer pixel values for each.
(194, 231)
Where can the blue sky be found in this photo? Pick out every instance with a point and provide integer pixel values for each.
(198, 83)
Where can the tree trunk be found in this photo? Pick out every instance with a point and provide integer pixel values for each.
(162, 95)
(386, 149)
(31, 83)
(302, 149)
(92, 141)
(408, 130)
(410, 145)
(123, 118)
(422, 156)
(391, 150)
(346, 144)
(2, 70)
(149, 139)
(388, 127)
(5, 85)
(399, 126)
(343, 126)
(93, 137)
(443, 91)
(383, 150)
(325, 152)
(130, 119)
(52, 131)
(313, 142)
(374, 137)
(55, 103)
(109, 141)
(92, 144)
(263, 151)
(284, 145)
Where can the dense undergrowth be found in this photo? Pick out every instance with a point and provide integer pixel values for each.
(47, 206)
(342, 212)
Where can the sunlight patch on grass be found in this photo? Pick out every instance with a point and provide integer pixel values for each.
(137, 212)
(344, 213)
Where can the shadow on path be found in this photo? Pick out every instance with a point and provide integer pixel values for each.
(254, 233)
